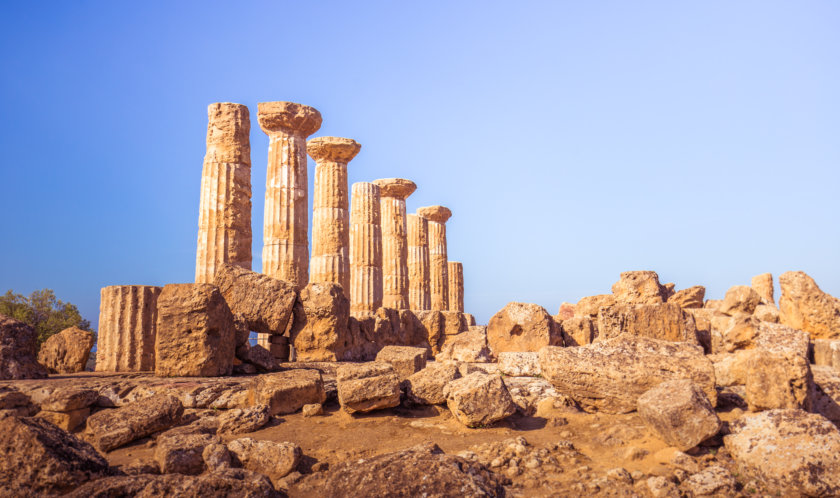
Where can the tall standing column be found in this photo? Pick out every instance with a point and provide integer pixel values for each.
(365, 248)
(394, 192)
(224, 213)
(331, 211)
(286, 225)
(419, 294)
(438, 271)
(456, 286)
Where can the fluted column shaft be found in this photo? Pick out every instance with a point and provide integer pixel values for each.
(438, 268)
(331, 226)
(394, 254)
(419, 293)
(365, 248)
(456, 286)
(224, 216)
(127, 328)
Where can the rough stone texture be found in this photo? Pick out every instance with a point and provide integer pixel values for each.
(67, 351)
(740, 299)
(712, 481)
(454, 322)
(276, 460)
(665, 321)
(313, 409)
(63, 399)
(456, 286)
(286, 220)
(183, 453)
(591, 305)
(778, 378)
(68, 420)
(110, 429)
(225, 482)
(41, 459)
(419, 292)
(610, 376)
(320, 328)
(479, 399)
(470, 318)
(566, 311)
(264, 303)
(224, 213)
(242, 420)
(689, 298)
(731, 368)
(427, 387)
(470, 346)
(763, 285)
(406, 360)
(364, 387)
(438, 265)
(791, 451)
(827, 352)
(15, 403)
(639, 287)
(680, 413)
(381, 475)
(18, 351)
(394, 192)
(127, 328)
(767, 313)
(286, 392)
(195, 332)
(216, 457)
(805, 307)
(522, 327)
(713, 304)
(258, 356)
(827, 392)
(432, 327)
(578, 330)
(331, 210)
(365, 248)
(519, 364)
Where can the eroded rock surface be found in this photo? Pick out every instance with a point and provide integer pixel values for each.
(805, 306)
(522, 327)
(18, 351)
(67, 351)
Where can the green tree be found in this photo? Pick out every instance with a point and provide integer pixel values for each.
(42, 311)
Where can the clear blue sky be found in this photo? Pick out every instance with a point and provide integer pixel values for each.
(572, 140)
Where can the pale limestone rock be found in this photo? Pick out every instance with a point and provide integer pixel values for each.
(275, 460)
(522, 327)
(181, 453)
(363, 387)
(763, 285)
(470, 319)
(479, 399)
(827, 399)
(767, 313)
(827, 352)
(778, 373)
(286, 220)
(703, 326)
(224, 214)
(419, 292)
(265, 303)
(427, 386)
(127, 328)
(321, 323)
(456, 286)
(438, 265)
(731, 368)
(591, 305)
(579, 330)
(680, 413)
(241, 420)
(665, 321)
(365, 248)
(805, 306)
(406, 360)
(454, 322)
(519, 364)
(110, 429)
(216, 457)
(689, 298)
(470, 346)
(713, 304)
(287, 392)
(68, 420)
(331, 210)
(740, 299)
(67, 351)
(395, 273)
(566, 311)
(639, 287)
(712, 481)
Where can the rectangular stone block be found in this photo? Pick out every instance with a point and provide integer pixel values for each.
(287, 392)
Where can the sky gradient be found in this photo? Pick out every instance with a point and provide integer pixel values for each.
(571, 140)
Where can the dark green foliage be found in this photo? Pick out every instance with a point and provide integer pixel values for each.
(43, 312)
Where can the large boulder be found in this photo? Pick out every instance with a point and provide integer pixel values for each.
(680, 413)
(276, 460)
(740, 299)
(406, 360)
(196, 335)
(41, 459)
(479, 399)
(610, 376)
(110, 429)
(264, 302)
(18, 351)
(639, 287)
(363, 387)
(690, 298)
(591, 305)
(522, 327)
(182, 453)
(805, 306)
(287, 392)
(665, 321)
(227, 482)
(66, 351)
(320, 328)
(519, 364)
(431, 328)
(579, 330)
(790, 451)
(471, 346)
(66, 407)
(763, 285)
(428, 386)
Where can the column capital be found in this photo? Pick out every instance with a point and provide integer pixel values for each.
(399, 188)
(289, 117)
(439, 214)
(336, 149)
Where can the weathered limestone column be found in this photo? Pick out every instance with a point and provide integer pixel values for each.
(419, 293)
(286, 226)
(394, 192)
(331, 211)
(438, 271)
(224, 213)
(127, 328)
(365, 248)
(456, 286)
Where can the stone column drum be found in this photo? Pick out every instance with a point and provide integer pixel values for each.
(438, 270)
(224, 213)
(331, 210)
(394, 192)
(456, 286)
(419, 294)
(365, 248)
(127, 326)
(286, 226)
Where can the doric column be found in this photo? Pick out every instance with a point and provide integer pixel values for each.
(438, 271)
(394, 192)
(419, 294)
(365, 248)
(224, 213)
(127, 328)
(456, 286)
(331, 210)
(286, 225)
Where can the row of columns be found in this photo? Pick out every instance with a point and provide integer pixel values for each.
(366, 242)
